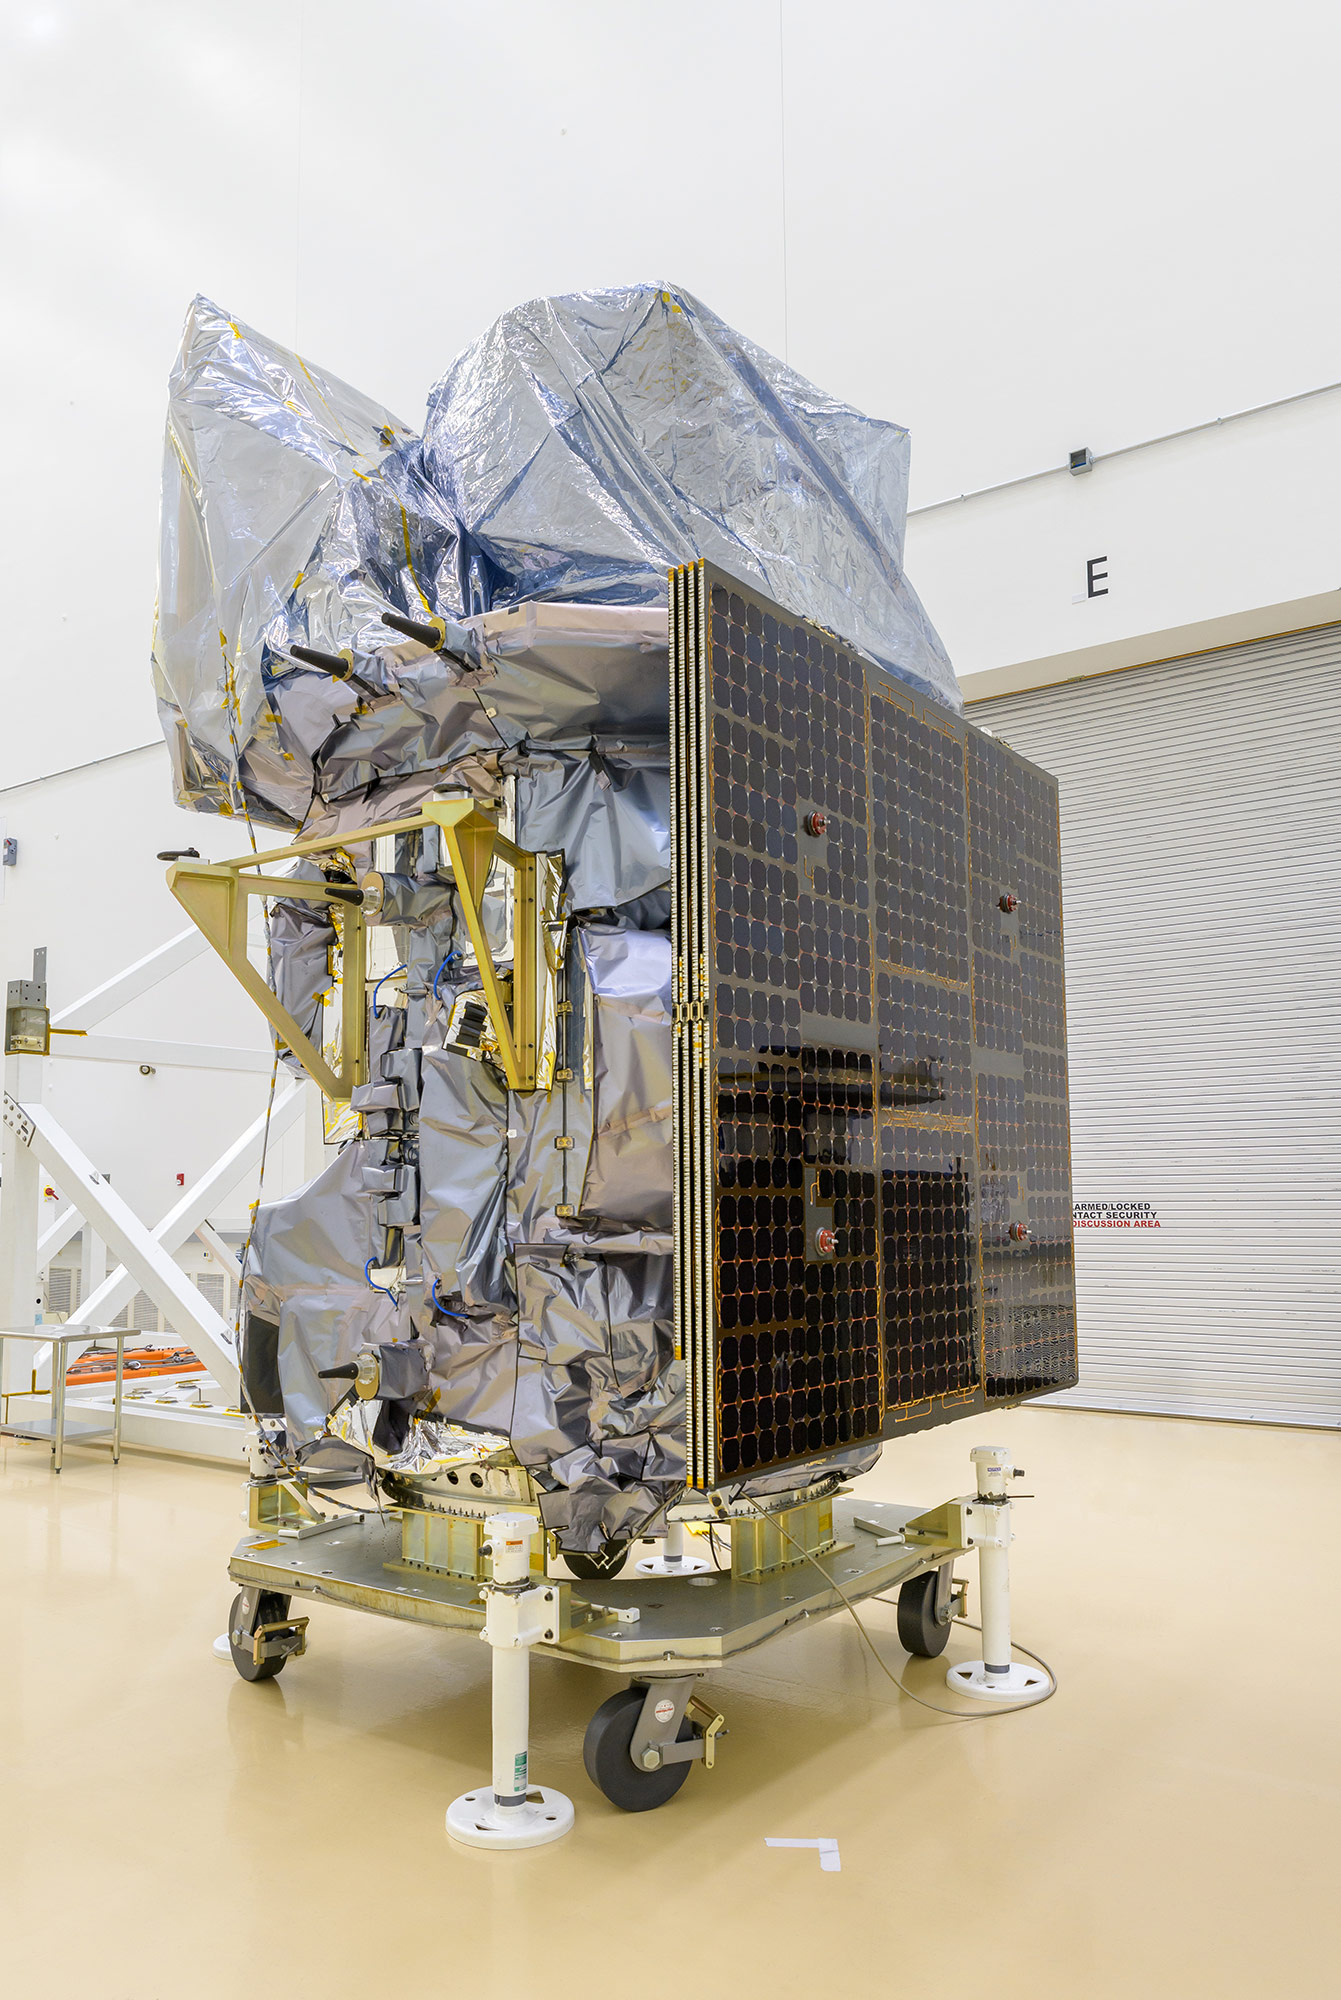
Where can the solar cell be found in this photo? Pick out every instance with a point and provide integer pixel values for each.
(872, 1208)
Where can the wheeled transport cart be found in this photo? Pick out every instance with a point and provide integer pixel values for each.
(664, 1622)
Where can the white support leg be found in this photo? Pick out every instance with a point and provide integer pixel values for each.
(995, 1677)
(518, 1612)
(674, 1559)
(20, 1180)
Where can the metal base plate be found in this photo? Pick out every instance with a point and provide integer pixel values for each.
(659, 1566)
(476, 1821)
(1024, 1683)
(643, 1625)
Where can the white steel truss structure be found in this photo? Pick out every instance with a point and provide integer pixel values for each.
(35, 1144)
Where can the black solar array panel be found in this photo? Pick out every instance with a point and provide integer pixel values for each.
(872, 1157)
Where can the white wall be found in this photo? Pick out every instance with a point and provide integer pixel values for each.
(1232, 533)
(88, 887)
(1016, 229)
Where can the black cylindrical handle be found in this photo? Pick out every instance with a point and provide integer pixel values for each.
(330, 663)
(344, 1373)
(414, 628)
(334, 664)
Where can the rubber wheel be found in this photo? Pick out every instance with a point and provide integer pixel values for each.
(589, 1564)
(920, 1631)
(605, 1752)
(271, 1606)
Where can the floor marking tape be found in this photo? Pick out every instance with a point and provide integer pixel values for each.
(828, 1851)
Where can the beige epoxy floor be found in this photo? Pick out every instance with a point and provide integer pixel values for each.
(1167, 1825)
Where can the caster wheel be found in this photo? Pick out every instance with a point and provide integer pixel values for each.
(605, 1752)
(271, 1606)
(920, 1631)
(589, 1564)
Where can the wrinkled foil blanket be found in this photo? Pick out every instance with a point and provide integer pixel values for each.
(520, 1241)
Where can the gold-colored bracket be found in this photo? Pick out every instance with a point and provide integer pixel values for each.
(214, 895)
(263, 1638)
(709, 1724)
(944, 1528)
(763, 1543)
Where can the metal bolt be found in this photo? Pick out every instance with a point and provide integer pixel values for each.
(1019, 1232)
(1007, 903)
(815, 822)
(651, 1760)
(826, 1241)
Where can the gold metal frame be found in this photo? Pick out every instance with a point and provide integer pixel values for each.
(214, 895)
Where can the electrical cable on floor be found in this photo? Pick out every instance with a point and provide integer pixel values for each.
(938, 1708)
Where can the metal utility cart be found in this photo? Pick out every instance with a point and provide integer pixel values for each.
(59, 1427)
(477, 1560)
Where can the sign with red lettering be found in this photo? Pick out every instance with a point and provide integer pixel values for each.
(1115, 1215)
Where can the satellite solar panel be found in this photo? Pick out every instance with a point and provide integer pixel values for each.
(872, 1201)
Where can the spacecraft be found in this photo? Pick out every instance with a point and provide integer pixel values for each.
(681, 971)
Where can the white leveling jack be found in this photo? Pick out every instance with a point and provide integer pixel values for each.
(674, 1559)
(995, 1677)
(518, 1612)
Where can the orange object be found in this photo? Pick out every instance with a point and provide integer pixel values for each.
(98, 1364)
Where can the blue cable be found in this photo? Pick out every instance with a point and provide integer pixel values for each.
(380, 984)
(445, 1311)
(441, 969)
(386, 1289)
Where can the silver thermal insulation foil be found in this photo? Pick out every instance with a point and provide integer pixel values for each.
(521, 1242)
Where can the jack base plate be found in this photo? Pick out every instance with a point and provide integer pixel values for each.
(658, 1566)
(476, 1821)
(1024, 1683)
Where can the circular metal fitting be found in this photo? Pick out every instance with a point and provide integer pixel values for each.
(826, 1241)
(1019, 1232)
(1007, 903)
(815, 822)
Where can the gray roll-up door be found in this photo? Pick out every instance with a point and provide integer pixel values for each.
(1202, 879)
